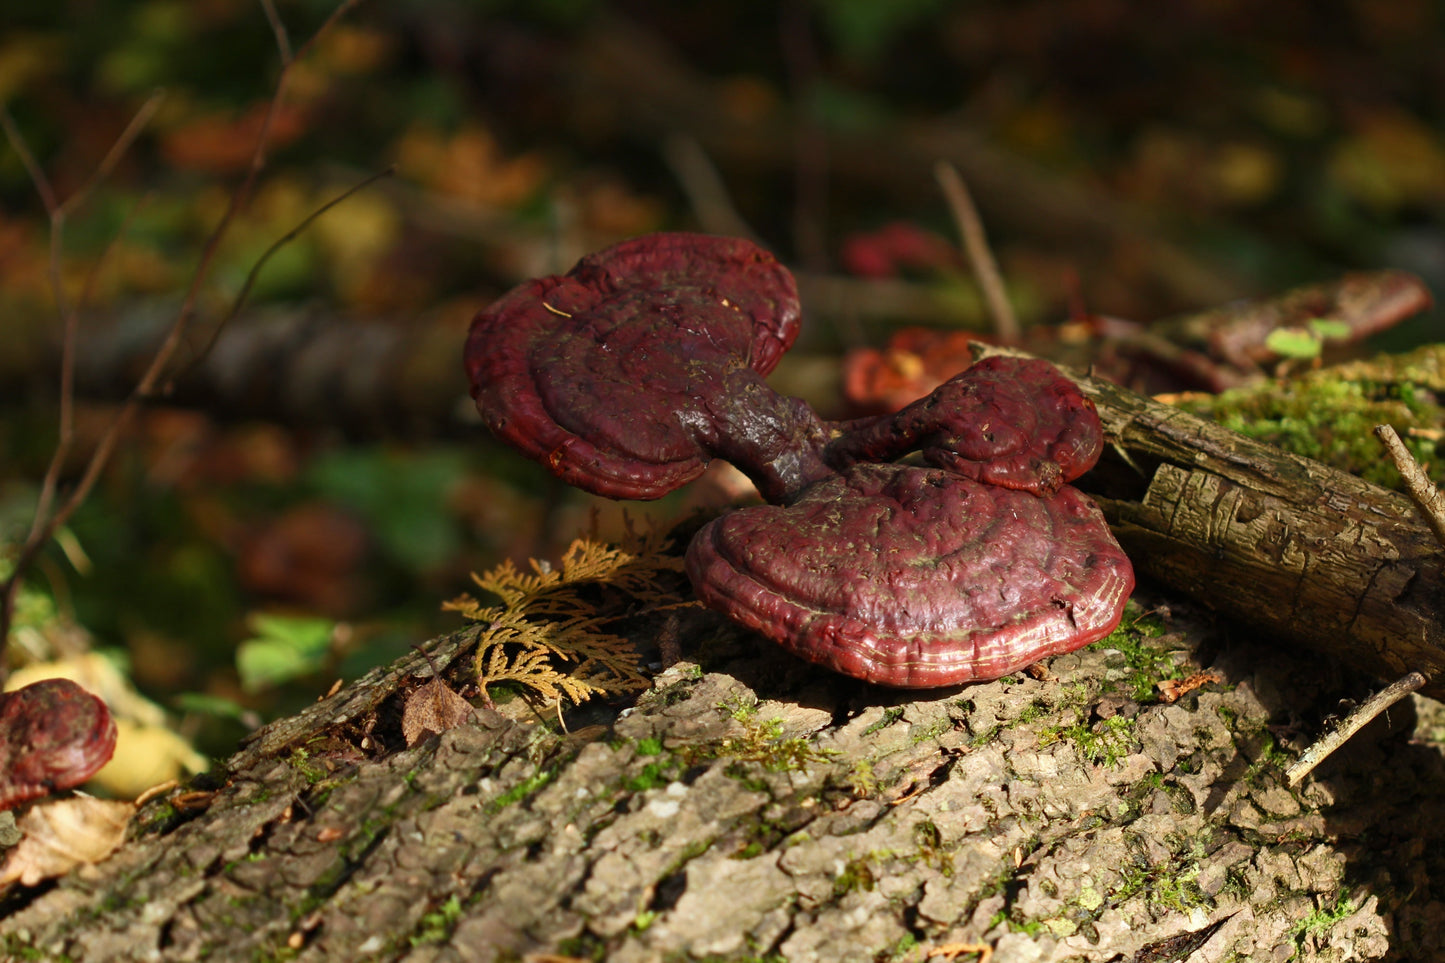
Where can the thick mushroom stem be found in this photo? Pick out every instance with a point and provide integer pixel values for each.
(1010, 422)
(777, 441)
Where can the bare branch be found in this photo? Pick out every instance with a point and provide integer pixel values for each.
(341, 10)
(283, 39)
(66, 421)
(69, 315)
(53, 208)
(975, 245)
(245, 291)
(119, 149)
(1422, 491)
(1352, 724)
(47, 522)
(704, 187)
(37, 175)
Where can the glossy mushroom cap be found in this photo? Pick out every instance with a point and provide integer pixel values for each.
(916, 577)
(54, 735)
(627, 374)
(1013, 422)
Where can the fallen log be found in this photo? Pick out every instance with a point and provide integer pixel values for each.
(1305, 552)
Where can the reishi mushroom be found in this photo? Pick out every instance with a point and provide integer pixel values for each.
(626, 375)
(1006, 421)
(54, 735)
(916, 577)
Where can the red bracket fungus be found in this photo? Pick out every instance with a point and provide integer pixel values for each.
(1005, 421)
(916, 577)
(54, 735)
(626, 375)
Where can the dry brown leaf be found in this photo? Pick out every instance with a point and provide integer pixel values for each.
(1172, 690)
(431, 710)
(62, 834)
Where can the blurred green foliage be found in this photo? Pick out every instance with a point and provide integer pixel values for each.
(402, 496)
(284, 648)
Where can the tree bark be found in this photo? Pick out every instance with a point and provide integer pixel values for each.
(752, 807)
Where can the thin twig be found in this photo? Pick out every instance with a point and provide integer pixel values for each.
(810, 142)
(47, 523)
(283, 39)
(1352, 724)
(32, 167)
(706, 193)
(240, 300)
(58, 212)
(1422, 491)
(118, 150)
(148, 381)
(65, 434)
(980, 257)
(53, 208)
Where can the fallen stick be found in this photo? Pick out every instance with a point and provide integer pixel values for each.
(1351, 724)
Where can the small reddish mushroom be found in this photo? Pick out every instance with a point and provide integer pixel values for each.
(1007, 421)
(626, 375)
(916, 577)
(54, 735)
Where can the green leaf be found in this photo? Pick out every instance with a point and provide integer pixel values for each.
(283, 649)
(864, 29)
(1330, 329)
(204, 704)
(1294, 343)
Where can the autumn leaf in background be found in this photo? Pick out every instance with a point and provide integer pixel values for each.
(221, 144)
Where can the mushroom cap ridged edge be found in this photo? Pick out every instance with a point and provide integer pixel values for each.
(863, 575)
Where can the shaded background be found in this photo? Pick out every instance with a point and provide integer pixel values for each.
(241, 553)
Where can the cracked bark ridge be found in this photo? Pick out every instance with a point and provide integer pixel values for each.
(916, 577)
(759, 811)
(54, 735)
(625, 375)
